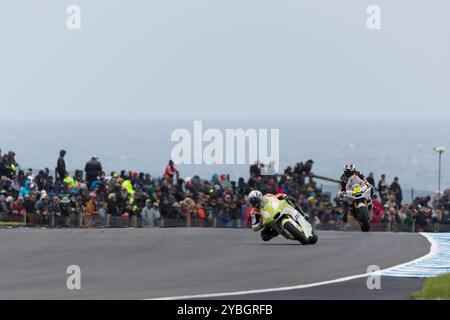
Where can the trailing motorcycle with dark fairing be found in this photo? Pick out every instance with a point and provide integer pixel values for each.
(358, 197)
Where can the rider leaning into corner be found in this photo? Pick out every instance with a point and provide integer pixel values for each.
(349, 171)
(258, 202)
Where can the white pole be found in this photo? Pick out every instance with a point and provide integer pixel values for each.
(439, 179)
(439, 150)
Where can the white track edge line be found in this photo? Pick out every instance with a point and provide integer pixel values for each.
(433, 250)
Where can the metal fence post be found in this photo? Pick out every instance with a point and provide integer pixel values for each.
(134, 221)
(80, 220)
(436, 227)
(388, 226)
(25, 219)
(107, 220)
(413, 226)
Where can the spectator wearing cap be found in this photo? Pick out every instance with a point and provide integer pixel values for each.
(403, 214)
(54, 209)
(150, 214)
(29, 204)
(17, 206)
(43, 210)
(78, 207)
(123, 197)
(112, 207)
(91, 207)
(65, 211)
(174, 212)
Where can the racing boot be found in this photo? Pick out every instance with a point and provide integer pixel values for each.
(268, 234)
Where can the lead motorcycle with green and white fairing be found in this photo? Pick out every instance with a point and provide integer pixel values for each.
(287, 221)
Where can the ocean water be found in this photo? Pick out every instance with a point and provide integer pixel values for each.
(396, 148)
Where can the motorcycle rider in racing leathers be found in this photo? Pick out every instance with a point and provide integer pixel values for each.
(349, 171)
(258, 201)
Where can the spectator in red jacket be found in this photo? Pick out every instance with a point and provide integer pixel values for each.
(170, 172)
(17, 207)
(377, 211)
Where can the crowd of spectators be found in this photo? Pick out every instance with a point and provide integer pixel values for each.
(423, 212)
(90, 197)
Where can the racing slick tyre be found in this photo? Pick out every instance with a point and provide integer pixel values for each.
(363, 217)
(297, 234)
(313, 239)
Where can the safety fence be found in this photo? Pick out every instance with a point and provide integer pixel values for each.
(388, 227)
(409, 194)
(74, 220)
(77, 220)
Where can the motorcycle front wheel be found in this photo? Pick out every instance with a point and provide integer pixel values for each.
(313, 239)
(297, 234)
(363, 217)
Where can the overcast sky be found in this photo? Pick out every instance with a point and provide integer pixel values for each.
(224, 59)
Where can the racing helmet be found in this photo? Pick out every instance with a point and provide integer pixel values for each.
(254, 197)
(349, 169)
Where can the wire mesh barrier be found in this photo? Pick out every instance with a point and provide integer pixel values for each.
(409, 194)
(388, 227)
(136, 221)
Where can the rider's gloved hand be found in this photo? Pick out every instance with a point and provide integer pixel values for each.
(256, 222)
(340, 197)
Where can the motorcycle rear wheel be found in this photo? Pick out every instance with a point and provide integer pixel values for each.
(297, 234)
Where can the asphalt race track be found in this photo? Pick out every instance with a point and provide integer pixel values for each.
(155, 263)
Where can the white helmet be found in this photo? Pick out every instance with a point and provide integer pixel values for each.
(254, 197)
(349, 169)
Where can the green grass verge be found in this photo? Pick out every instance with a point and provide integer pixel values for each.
(435, 288)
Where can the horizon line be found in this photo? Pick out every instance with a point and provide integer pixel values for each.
(228, 119)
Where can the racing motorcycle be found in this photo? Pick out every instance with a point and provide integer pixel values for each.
(288, 222)
(358, 197)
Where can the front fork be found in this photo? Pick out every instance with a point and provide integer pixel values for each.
(286, 234)
(295, 215)
(356, 206)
